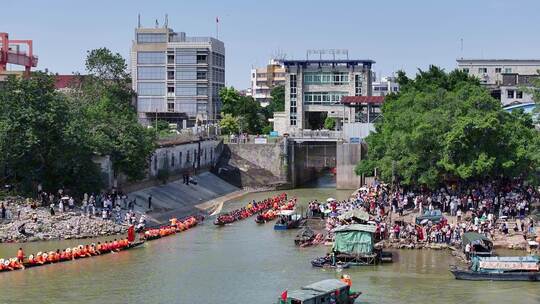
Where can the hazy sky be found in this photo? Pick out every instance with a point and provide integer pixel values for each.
(396, 34)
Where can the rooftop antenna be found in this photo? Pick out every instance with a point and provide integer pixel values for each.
(139, 20)
(157, 23)
(166, 25)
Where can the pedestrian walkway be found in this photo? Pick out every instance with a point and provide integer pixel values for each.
(179, 200)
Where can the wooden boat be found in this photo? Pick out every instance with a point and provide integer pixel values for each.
(526, 268)
(492, 276)
(33, 265)
(326, 291)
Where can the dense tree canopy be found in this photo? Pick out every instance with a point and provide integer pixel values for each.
(245, 109)
(110, 117)
(50, 137)
(445, 126)
(41, 140)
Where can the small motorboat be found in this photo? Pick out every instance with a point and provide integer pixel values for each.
(288, 219)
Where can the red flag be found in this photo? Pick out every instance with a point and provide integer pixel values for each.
(284, 295)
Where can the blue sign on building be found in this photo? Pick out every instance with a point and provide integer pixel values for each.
(273, 134)
(354, 140)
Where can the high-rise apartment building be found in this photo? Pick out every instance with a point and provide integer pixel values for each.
(177, 78)
(263, 80)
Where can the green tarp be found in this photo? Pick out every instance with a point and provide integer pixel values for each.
(354, 239)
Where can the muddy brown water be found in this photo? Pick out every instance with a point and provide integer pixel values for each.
(241, 263)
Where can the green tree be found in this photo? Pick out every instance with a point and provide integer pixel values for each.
(249, 112)
(277, 104)
(110, 117)
(445, 126)
(329, 123)
(41, 139)
(229, 124)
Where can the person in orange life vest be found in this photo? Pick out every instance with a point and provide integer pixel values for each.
(173, 221)
(345, 278)
(99, 247)
(63, 255)
(115, 245)
(57, 256)
(69, 254)
(20, 255)
(50, 257)
(31, 259)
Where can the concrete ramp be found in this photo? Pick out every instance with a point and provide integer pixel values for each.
(177, 199)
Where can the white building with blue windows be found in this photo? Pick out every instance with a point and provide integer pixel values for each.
(177, 78)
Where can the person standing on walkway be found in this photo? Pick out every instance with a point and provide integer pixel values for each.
(150, 201)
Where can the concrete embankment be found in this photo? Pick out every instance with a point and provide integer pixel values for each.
(176, 199)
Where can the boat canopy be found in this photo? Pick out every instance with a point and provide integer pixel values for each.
(528, 263)
(354, 239)
(325, 285)
(356, 213)
(476, 239)
(286, 212)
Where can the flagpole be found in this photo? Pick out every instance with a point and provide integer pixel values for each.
(217, 27)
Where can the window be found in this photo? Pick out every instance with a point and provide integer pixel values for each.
(201, 75)
(510, 94)
(186, 57)
(170, 89)
(358, 85)
(201, 58)
(151, 88)
(172, 160)
(186, 89)
(482, 70)
(507, 70)
(186, 74)
(323, 97)
(336, 78)
(151, 38)
(150, 73)
(170, 75)
(202, 90)
(466, 70)
(498, 70)
(150, 57)
(170, 59)
(187, 157)
(519, 94)
(180, 158)
(170, 106)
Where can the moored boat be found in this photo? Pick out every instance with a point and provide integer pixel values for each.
(525, 268)
(289, 219)
(326, 291)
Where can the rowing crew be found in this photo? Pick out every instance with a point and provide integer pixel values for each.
(176, 226)
(81, 251)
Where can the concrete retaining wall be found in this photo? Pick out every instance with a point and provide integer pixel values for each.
(347, 156)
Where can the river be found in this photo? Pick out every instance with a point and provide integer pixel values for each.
(241, 263)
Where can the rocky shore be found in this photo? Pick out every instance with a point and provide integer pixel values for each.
(37, 224)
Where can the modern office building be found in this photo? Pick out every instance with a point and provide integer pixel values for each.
(263, 80)
(385, 86)
(314, 90)
(505, 78)
(177, 78)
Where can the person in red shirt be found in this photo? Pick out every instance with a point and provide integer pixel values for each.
(20, 255)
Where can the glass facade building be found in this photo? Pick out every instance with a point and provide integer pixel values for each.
(177, 78)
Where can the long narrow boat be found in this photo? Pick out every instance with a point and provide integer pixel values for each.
(525, 268)
(470, 275)
(33, 265)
